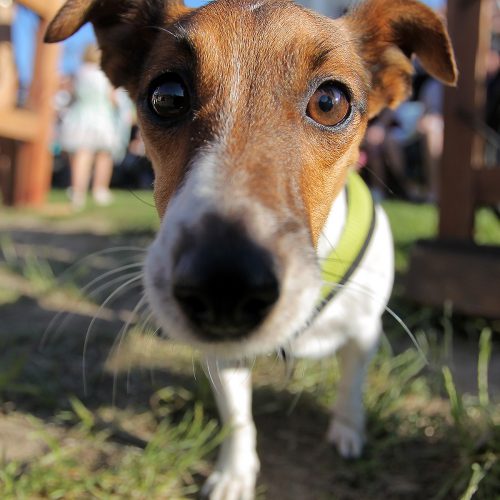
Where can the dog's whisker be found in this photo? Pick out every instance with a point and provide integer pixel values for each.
(97, 291)
(208, 373)
(144, 323)
(48, 330)
(135, 195)
(120, 289)
(145, 315)
(217, 369)
(194, 367)
(154, 333)
(123, 334)
(408, 332)
(163, 30)
(150, 336)
(251, 367)
(110, 273)
(365, 291)
(48, 333)
(332, 248)
(67, 272)
(285, 354)
(379, 179)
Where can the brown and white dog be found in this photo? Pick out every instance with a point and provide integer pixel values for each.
(252, 112)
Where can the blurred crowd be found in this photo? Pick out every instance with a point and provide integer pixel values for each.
(97, 142)
(402, 149)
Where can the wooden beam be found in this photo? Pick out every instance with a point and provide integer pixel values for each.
(19, 124)
(46, 9)
(459, 273)
(469, 24)
(33, 170)
(487, 183)
(8, 153)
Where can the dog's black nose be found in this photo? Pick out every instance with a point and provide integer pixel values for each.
(223, 282)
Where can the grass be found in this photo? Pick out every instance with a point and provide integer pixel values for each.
(147, 429)
(131, 211)
(163, 469)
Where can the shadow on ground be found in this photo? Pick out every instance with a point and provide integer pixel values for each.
(42, 370)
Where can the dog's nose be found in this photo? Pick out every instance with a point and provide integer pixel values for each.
(223, 282)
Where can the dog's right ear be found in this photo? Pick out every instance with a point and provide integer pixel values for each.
(125, 29)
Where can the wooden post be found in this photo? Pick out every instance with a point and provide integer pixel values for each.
(26, 162)
(46, 9)
(452, 268)
(33, 170)
(469, 23)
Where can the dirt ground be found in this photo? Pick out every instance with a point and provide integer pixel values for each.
(39, 373)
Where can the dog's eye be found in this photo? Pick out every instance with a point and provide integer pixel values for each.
(169, 97)
(329, 105)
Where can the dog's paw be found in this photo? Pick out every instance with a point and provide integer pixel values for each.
(229, 486)
(348, 440)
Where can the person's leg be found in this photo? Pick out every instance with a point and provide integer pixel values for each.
(432, 128)
(81, 166)
(102, 178)
(374, 140)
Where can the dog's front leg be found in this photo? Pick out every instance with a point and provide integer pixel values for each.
(347, 427)
(237, 466)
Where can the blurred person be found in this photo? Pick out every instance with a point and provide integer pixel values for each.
(392, 165)
(125, 118)
(431, 127)
(135, 171)
(383, 154)
(88, 132)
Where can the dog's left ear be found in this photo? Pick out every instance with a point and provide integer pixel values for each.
(388, 33)
(125, 29)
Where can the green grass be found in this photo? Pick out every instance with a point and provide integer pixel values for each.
(163, 469)
(131, 211)
(147, 429)
(411, 222)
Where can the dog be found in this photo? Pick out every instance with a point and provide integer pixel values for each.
(252, 113)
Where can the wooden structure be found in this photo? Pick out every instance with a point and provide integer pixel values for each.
(26, 161)
(453, 268)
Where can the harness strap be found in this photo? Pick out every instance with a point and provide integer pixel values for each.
(343, 260)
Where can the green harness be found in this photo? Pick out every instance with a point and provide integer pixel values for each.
(343, 260)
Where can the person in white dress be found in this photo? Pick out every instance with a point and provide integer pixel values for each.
(89, 132)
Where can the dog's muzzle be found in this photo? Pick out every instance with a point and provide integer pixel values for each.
(223, 282)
